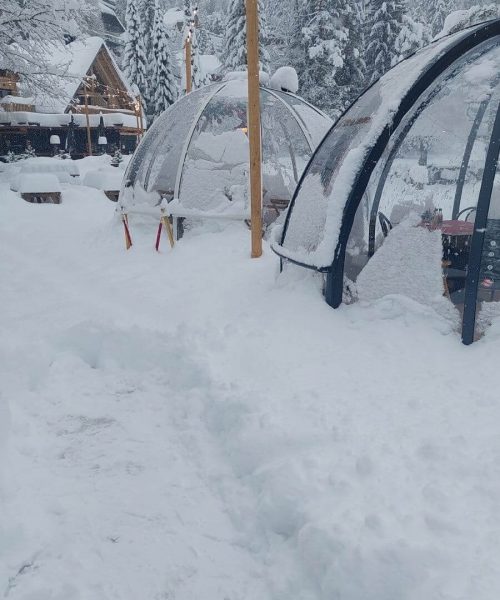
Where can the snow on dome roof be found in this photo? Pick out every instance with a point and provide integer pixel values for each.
(286, 80)
(243, 76)
(195, 155)
(415, 155)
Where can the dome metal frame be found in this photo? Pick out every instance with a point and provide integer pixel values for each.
(217, 89)
(145, 169)
(334, 285)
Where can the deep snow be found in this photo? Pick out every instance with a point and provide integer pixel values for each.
(188, 425)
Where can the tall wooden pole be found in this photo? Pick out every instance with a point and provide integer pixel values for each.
(254, 134)
(141, 122)
(89, 138)
(189, 76)
(136, 110)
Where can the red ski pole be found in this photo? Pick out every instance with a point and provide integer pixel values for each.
(128, 239)
(158, 236)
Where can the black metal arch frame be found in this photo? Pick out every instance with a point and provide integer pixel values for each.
(335, 273)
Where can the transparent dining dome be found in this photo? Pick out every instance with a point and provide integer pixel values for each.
(403, 195)
(196, 154)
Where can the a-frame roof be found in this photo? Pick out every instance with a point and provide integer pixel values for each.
(68, 64)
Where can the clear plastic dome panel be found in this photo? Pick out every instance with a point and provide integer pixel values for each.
(215, 173)
(412, 231)
(216, 163)
(313, 122)
(314, 221)
(168, 152)
(285, 153)
(197, 152)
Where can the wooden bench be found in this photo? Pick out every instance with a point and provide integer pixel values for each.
(42, 197)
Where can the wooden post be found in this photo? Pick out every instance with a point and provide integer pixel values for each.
(254, 133)
(139, 110)
(189, 76)
(136, 112)
(89, 137)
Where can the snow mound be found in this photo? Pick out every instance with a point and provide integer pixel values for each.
(184, 426)
(403, 265)
(285, 80)
(32, 183)
(105, 178)
(228, 147)
(461, 19)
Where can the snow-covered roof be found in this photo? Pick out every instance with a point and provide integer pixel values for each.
(67, 65)
(17, 100)
(112, 119)
(173, 16)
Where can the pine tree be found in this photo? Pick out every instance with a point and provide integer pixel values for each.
(350, 79)
(235, 38)
(188, 13)
(198, 78)
(296, 52)
(324, 39)
(412, 36)
(438, 10)
(134, 57)
(384, 26)
(163, 85)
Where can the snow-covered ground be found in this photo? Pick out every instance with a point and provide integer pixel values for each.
(189, 426)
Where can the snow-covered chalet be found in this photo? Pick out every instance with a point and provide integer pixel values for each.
(84, 82)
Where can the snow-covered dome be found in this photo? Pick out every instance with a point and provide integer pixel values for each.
(195, 155)
(401, 194)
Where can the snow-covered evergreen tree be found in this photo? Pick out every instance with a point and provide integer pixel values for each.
(324, 39)
(235, 38)
(134, 56)
(163, 86)
(350, 79)
(198, 78)
(412, 36)
(35, 26)
(440, 9)
(190, 32)
(188, 13)
(460, 19)
(384, 24)
(295, 51)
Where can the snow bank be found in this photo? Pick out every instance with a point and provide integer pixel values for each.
(50, 165)
(105, 178)
(186, 425)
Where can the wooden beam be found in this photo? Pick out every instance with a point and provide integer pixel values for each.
(254, 133)
(189, 76)
(89, 138)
